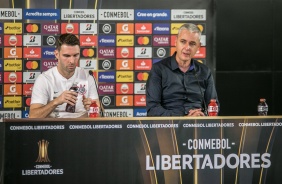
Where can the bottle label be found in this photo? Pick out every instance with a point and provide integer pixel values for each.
(262, 108)
(213, 109)
(94, 110)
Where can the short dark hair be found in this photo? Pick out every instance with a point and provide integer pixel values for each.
(68, 39)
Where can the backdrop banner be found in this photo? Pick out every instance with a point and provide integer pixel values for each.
(151, 151)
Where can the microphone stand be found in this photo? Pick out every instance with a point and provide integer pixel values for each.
(202, 94)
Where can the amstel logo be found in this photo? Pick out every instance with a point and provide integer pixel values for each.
(43, 151)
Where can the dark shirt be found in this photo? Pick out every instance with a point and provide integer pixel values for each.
(170, 92)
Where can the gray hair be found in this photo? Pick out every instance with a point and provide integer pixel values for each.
(190, 27)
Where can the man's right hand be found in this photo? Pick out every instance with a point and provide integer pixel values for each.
(67, 96)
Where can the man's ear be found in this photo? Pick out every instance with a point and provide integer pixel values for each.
(56, 53)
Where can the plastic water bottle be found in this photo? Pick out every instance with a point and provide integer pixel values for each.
(93, 110)
(213, 108)
(71, 108)
(262, 107)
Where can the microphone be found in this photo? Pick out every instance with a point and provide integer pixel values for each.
(102, 112)
(202, 94)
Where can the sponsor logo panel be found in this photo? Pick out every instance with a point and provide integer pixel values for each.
(31, 64)
(107, 64)
(139, 112)
(47, 64)
(124, 64)
(139, 100)
(106, 77)
(124, 76)
(139, 88)
(107, 28)
(1, 101)
(88, 52)
(32, 40)
(27, 89)
(161, 28)
(9, 114)
(188, 14)
(79, 14)
(152, 14)
(25, 114)
(48, 53)
(124, 100)
(11, 13)
(161, 40)
(26, 101)
(50, 40)
(116, 14)
(141, 76)
(107, 40)
(106, 89)
(88, 64)
(161, 52)
(143, 64)
(124, 88)
(13, 65)
(125, 52)
(13, 77)
(13, 28)
(201, 53)
(32, 52)
(69, 28)
(30, 77)
(88, 40)
(108, 100)
(12, 89)
(143, 28)
(42, 14)
(13, 40)
(143, 52)
(32, 28)
(13, 52)
(1, 64)
(125, 28)
(123, 40)
(12, 102)
(106, 52)
(51, 28)
(88, 28)
(143, 40)
(118, 113)
(2, 40)
(175, 27)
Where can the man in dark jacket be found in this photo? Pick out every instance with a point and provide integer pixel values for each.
(179, 85)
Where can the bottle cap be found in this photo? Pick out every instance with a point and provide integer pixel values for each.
(262, 100)
(213, 100)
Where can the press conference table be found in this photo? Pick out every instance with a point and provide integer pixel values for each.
(170, 150)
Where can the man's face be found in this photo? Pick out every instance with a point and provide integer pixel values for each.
(68, 58)
(187, 44)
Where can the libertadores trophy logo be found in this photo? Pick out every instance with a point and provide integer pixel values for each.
(43, 151)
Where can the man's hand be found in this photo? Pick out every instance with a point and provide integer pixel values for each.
(196, 112)
(88, 101)
(69, 97)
